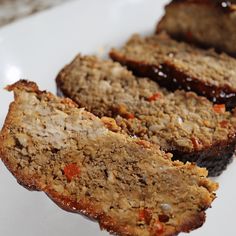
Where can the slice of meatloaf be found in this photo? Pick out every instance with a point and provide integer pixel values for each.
(129, 186)
(179, 65)
(209, 23)
(189, 126)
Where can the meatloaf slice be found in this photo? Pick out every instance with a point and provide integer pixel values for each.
(179, 65)
(209, 23)
(129, 186)
(189, 126)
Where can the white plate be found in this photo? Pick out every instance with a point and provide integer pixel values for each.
(37, 48)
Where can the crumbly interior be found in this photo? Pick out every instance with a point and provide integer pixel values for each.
(206, 65)
(129, 180)
(174, 120)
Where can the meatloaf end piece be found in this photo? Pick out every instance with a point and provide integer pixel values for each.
(189, 126)
(209, 23)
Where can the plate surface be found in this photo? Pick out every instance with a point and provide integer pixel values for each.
(36, 48)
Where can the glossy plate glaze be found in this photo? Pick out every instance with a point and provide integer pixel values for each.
(36, 49)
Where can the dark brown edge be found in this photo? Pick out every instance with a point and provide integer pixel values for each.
(227, 6)
(84, 207)
(89, 210)
(24, 85)
(213, 5)
(170, 77)
(215, 158)
(191, 40)
(28, 86)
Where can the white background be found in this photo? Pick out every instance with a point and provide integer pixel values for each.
(37, 48)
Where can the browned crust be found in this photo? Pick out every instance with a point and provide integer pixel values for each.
(23, 85)
(199, 219)
(215, 158)
(88, 209)
(84, 206)
(223, 5)
(171, 78)
(22, 180)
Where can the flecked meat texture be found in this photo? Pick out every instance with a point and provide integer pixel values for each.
(128, 185)
(189, 126)
(208, 23)
(176, 64)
